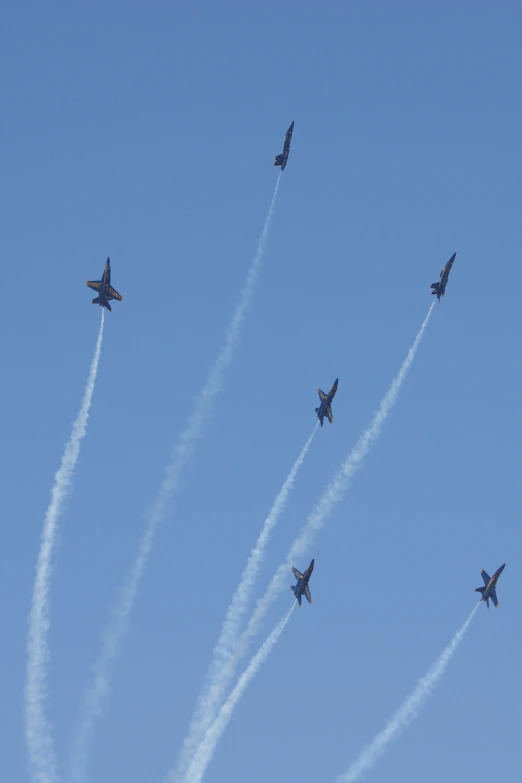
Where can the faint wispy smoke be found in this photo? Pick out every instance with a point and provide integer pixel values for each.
(212, 690)
(317, 519)
(98, 691)
(38, 732)
(405, 714)
(207, 746)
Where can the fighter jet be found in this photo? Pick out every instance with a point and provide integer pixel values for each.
(490, 582)
(282, 160)
(440, 288)
(301, 588)
(325, 408)
(104, 288)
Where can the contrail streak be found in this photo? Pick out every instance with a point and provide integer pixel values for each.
(99, 688)
(205, 751)
(408, 712)
(37, 728)
(320, 513)
(208, 702)
(335, 490)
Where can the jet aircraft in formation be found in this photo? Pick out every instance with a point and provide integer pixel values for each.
(281, 160)
(105, 291)
(301, 588)
(325, 406)
(490, 584)
(440, 287)
(487, 592)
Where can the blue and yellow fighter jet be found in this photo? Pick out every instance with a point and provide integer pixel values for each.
(440, 287)
(301, 588)
(105, 291)
(325, 407)
(490, 584)
(281, 160)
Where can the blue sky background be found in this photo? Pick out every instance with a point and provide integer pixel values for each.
(147, 133)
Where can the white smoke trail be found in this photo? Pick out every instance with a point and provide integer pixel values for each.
(208, 702)
(320, 513)
(37, 728)
(337, 487)
(405, 714)
(99, 688)
(205, 751)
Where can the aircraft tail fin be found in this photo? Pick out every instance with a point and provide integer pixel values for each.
(109, 308)
(278, 160)
(435, 287)
(96, 300)
(319, 417)
(482, 590)
(293, 588)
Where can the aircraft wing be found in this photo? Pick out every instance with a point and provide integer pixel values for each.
(297, 574)
(321, 394)
(493, 596)
(306, 591)
(94, 284)
(113, 294)
(328, 412)
(485, 576)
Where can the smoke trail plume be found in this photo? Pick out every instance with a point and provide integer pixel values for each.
(337, 487)
(320, 513)
(98, 690)
(211, 692)
(37, 728)
(408, 712)
(205, 751)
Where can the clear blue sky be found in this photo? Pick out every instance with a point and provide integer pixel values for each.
(147, 132)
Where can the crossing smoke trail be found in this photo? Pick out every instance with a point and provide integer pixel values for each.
(320, 513)
(98, 690)
(335, 490)
(408, 712)
(37, 729)
(211, 692)
(205, 751)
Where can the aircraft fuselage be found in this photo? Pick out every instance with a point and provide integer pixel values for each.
(105, 283)
(493, 581)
